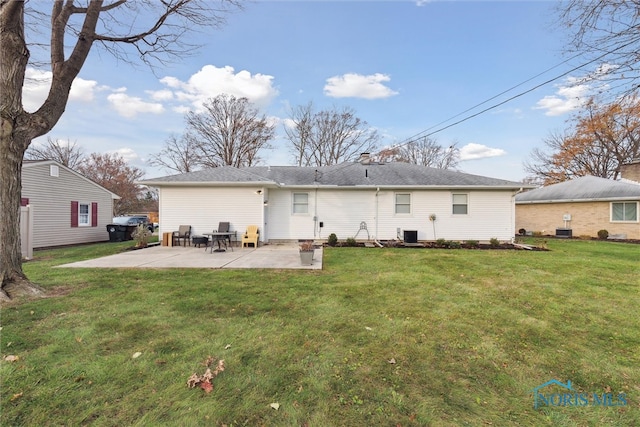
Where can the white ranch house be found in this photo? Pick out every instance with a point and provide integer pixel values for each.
(362, 199)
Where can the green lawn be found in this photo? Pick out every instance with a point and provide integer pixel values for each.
(388, 337)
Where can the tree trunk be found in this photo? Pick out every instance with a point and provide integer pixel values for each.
(14, 282)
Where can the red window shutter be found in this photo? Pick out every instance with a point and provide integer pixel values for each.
(74, 214)
(24, 201)
(94, 214)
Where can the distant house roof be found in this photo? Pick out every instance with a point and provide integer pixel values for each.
(33, 163)
(586, 188)
(351, 174)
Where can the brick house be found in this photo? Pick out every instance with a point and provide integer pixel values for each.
(584, 205)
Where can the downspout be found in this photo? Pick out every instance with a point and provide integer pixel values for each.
(513, 213)
(316, 228)
(375, 238)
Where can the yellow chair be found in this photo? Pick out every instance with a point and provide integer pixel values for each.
(251, 236)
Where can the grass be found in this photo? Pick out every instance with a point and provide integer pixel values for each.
(379, 337)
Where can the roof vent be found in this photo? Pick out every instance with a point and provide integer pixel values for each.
(365, 158)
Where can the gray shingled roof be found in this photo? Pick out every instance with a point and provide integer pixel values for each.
(583, 188)
(343, 175)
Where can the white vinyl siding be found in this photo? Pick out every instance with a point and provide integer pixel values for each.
(624, 212)
(300, 203)
(203, 208)
(460, 204)
(403, 203)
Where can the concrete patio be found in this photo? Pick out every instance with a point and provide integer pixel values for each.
(277, 255)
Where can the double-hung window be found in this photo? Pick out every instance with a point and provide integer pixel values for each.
(624, 212)
(460, 203)
(403, 203)
(300, 203)
(84, 215)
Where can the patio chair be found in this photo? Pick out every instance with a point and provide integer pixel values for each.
(251, 236)
(184, 233)
(225, 227)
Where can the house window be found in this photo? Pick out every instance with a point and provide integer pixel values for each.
(83, 214)
(300, 203)
(403, 203)
(460, 204)
(624, 211)
(54, 170)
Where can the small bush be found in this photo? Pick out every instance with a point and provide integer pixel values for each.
(441, 243)
(141, 236)
(333, 239)
(350, 241)
(472, 243)
(603, 234)
(536, 233)
(493, 242)
(454, 245)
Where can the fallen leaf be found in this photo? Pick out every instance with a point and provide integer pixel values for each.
(193, 380)
(136, 354)
(206, 386)
(368, 328)
(11, 358)
(16, 396)
(227, 347)
(275, 405)
(392, 361)
(78, 339)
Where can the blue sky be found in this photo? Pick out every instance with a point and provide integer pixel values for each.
(403, 66)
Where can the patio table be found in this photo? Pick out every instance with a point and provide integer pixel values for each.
(221, 237)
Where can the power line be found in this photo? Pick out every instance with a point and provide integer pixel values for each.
(426, 132)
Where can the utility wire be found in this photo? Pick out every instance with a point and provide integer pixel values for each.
(425, 134)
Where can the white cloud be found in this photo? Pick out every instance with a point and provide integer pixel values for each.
(352, 85)
(474, 151)
(130, 106)
(566, 99)
(128, 154)
(211, 81)
(37, 84)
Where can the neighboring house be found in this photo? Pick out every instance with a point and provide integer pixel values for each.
(65, 207)
(584, 205)
(363, 199)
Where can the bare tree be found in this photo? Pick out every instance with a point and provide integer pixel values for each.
(427, 152)
(601, 139)
(113, 173)
(424, 152)
(328, 137)
(229, 132)
(180, 154)
(150, 30)
(67, 153)
(605, 33)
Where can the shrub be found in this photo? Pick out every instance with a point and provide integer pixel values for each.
(141, 236)
(603, 234)
(494, 242)
(473, 243)
(350, 241)
(536, 233)
(333, 239)
(441, 242)
(453, 245)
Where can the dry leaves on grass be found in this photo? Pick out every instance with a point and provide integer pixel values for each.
(205, 381)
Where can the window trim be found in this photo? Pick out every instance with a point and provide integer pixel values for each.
(82, 215)
(294, 203)
(453, 204)
(396, 204)
(623, 203)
